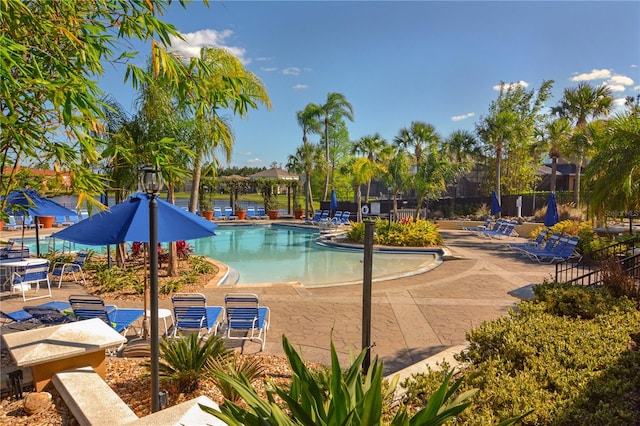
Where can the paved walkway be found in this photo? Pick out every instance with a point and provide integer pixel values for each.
(413, 318)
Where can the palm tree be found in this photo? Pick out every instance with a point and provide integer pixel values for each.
(370, 146)
(554, 137)
(398, 164)
(335, 108)
(362, 171)
(223, 84)
(418, 137)
(307, 120)
(308, 157)
(614, 171)
(580, 105)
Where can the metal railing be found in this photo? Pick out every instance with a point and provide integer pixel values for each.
(589, 270)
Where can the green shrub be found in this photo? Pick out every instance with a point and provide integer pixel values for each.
(199, 265)
(117, 279)
(566, 370)
(171, 286)
(421, 233)
(183, 360)
(578, 302)
(352, 397)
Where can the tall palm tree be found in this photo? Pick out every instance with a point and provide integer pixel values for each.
(362, 170)
(398, 164)
(308, 157)
(370, 146)
(307, 120)
(554, 137)
(581, 105)
(336, 107)
(223, 84)
(418, 137)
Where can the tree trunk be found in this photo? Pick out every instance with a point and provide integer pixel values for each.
(498, 172)
(195, 185)
(366, 198)
(327, 179)
(554, 168)
(172, 264)
(576, 189)
(359, 202)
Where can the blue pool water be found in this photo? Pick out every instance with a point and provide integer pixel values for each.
(267, 254)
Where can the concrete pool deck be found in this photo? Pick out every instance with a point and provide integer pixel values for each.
(413, 318)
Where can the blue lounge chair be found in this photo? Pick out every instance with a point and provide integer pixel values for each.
(315, 218)
(246, 319)
(345, 219)
(261, 213)
(497, 225)
(217, 213)
(508, 230)
(12, 225)
(228, 214)
(564, 250)
(536, 244)
(73, 219)
(88, 306)
(61, 268)
(191, 313)
(486, 225)
(337, 216)
(62, 221)
(553, 245)
(251, 213)
(324, 217)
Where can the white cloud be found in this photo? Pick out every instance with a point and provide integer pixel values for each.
(634, 66)
(269, 69)
(462, 117)
(619, 102)
(615, 87)
(300, 86)
(593, 75)
(291, 71)
(246, 154)
(254, 161)
(636, 88)
(263, 59)
(620, 79)
(508, 86)
(194, 42)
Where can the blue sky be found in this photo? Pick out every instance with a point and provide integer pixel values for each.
(398, 62)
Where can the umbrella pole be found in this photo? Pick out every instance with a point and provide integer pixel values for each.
(22, 241)
(35, 220)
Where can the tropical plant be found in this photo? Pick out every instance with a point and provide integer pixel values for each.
(183, 360)
(354, 397)
(371, 147)
(554, 137)
(308, 157)
(580, 105)
(334, 109)
(53, 52)
(236, 367)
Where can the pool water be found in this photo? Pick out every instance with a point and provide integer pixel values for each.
(286, 254)
(274, 253)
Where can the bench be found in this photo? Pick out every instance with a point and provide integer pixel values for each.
(90, 399)
(93, 402)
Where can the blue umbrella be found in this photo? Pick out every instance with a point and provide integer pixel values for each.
(551, 217)
(333, 204)
(29, 202)
(495, 204)
(129, 221)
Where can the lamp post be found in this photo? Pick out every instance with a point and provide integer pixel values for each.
(152, 183)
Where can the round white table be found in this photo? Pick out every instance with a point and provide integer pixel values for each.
(163, 314)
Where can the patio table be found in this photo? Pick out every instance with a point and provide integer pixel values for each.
(50, 350)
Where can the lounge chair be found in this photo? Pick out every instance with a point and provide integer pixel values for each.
(29, 223)
(479, 227)
(261, 213)
(12, 225)
(345, 219)
(536, 244)
(315, 218)
(251, 213)
(554, 244)
(564, 250)
(191, 313)
(228, 214)
(30, 274)
(217, 213)
(497, 226)
(88, 306)
(508, 230)
(73, 219)
(324, 217)
(62, 221)
(336, 217)
(61, 268)
(246, 319)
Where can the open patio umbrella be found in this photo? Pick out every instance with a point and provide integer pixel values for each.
(495, 204)
(129, 221)
(28, 202)
(333, 204)
(551, 217)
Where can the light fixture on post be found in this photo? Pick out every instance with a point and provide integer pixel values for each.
(152, 183)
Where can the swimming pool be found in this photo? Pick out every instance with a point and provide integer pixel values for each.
(280, 253)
